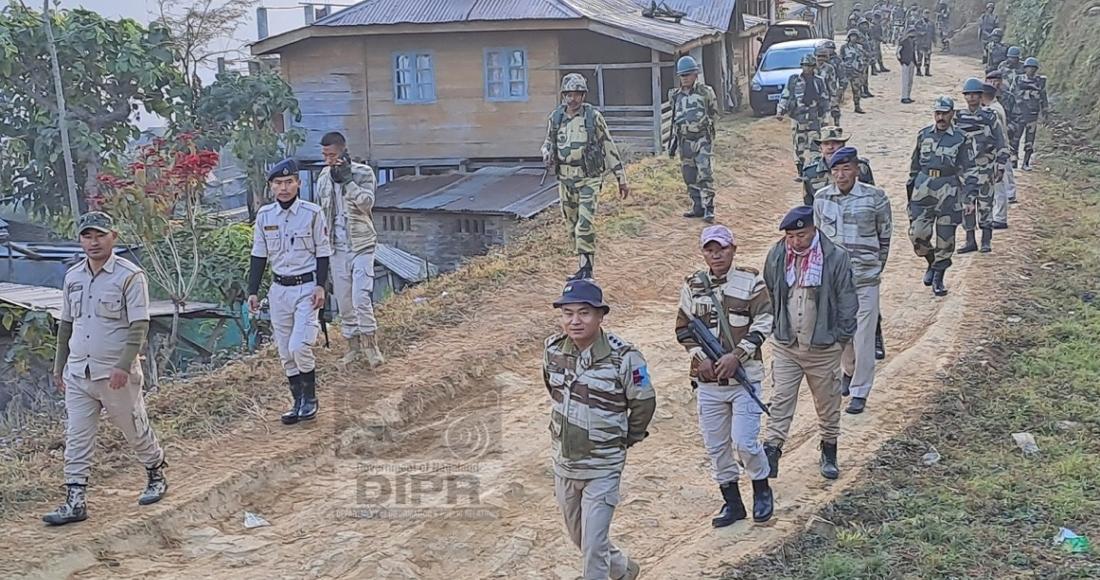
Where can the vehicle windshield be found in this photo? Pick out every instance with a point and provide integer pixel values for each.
(781, 58)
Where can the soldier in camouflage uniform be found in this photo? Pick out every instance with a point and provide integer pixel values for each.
(732, 302)
(853, 59)
(1012, 69)
(987, 23)
(828, 73)
(926, 33)
(602, 402)
(941, 170)
(841, 79)
(995, 50)
(985, 130)
(868, 45)
(878, 36)
(1031, 96)
(579, 150)
(805, 100)
(694, 120)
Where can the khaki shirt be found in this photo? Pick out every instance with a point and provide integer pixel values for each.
(802, 314)
(101, 308)
(291, 239)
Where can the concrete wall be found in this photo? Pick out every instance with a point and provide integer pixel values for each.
(436, 236)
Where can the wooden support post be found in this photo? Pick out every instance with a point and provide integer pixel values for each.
(655, 72)
(599, 85)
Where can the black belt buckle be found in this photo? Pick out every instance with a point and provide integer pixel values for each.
(293, 280)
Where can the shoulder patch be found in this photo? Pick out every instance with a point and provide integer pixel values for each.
(554, 339)
(640, 376)
(747, 269)
(618, 343)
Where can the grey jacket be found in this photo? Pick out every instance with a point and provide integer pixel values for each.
(836, 299)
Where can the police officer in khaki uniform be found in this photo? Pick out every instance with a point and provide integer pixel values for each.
(104, 321)
(292, 235)
(603, 401)
(732, 302)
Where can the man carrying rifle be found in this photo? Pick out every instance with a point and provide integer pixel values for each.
(814, 306)
(734, 306)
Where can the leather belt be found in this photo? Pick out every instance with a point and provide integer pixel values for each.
(934, 173)
(293, 280)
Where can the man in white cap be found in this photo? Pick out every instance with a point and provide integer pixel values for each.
(732, 302)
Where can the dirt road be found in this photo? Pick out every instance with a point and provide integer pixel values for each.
(463, 417)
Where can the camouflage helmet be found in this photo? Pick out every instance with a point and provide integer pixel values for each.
(972, 85)
(1031, 61)
(686, 65)
(1015, 52)
(832, 133)
(997, 32)
(574, 82)
(808, 60)
(989, 5)
(853, 32)
(821, 49)
(943, 103)
(828, 44)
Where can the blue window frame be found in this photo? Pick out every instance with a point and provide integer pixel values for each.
(413, 77)
(505, 74)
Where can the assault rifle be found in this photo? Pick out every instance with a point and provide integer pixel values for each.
(712, 347)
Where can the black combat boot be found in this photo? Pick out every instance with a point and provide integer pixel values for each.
(708, 214)
(937, 283)
(927, 72)
(587, 266)
(773, 453)
(856, 406)
(836, 119)
(987, 240)
(859, 110)
(733, 509)
(1027, 161)
(291, 416)
(919, 73)
(829, 469)
(883, 69)
(1000, 226)
(75, 508)
(696, 210)
(309, 406)
(157, 486)
(880, 343)
(971, 243)
(928, 274)
(762, 501)
(845, 385)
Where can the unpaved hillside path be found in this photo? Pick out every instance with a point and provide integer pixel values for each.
(481, 381)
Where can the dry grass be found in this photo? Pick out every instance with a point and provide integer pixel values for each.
(186, 412)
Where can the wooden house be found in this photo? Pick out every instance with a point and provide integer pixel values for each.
(460, 84)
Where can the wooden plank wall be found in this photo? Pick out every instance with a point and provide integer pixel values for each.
(329, 78)
(461, 123)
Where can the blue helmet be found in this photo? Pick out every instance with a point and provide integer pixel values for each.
(686, 65)
(972, 85)
(1015, 52)
(1031, 61)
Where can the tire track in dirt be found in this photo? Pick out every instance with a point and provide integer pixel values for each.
(668, 496)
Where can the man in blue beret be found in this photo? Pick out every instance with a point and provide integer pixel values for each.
(602, 400)
(857, 217)
(292, 234)
(814, 309)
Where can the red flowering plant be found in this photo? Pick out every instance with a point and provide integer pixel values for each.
(156, 201)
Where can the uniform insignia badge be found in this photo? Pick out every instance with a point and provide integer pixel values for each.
(641, 377)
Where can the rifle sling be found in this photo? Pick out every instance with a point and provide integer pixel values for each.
(723, 317)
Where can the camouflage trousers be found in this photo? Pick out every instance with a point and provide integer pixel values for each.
(695, 165)
(855, 83)
(982, 216)
(806, 149)
(1028, 134)
(924, 58)
(579, 197)
(933, 219)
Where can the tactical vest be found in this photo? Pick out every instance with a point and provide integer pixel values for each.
(594, 162)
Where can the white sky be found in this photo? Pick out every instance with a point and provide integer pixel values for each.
(283, 15)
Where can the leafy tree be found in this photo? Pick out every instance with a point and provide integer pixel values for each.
(157, 202)
(108, 68)
(244, 111)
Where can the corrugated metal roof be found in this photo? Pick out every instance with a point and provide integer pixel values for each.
(374, 12)
(622, 14)
(409, 267)
(714, 13)
(49, 299)
(517, 191)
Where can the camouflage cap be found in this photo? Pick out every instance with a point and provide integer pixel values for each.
(574, 82)
(943, 104)
(808, 60)
(832, 133)
(95, 220)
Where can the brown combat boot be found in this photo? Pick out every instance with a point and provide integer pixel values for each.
(355, 351)
(371, 351)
